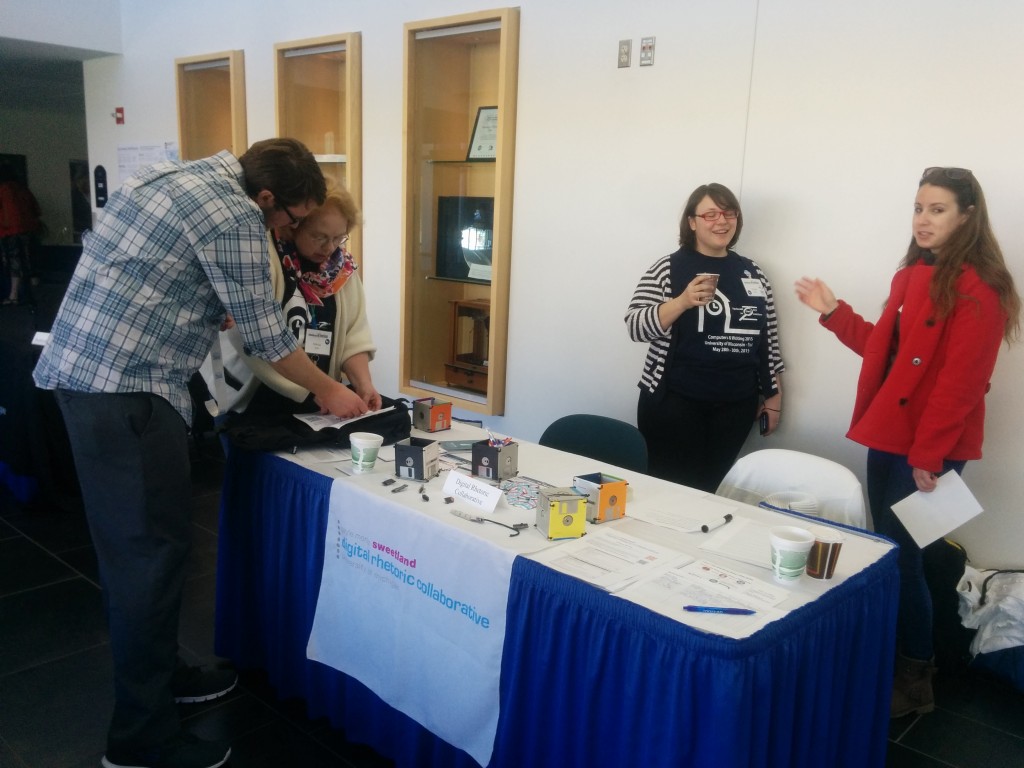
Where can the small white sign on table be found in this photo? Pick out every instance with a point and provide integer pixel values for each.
(476, 493)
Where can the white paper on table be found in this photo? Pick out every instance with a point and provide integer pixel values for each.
(742, 540)
(609, 559)
(687, 517)
(735, 584)
(687, 584)
(318, 421)
(929, 516)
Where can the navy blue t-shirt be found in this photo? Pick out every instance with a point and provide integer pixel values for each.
(718, 349)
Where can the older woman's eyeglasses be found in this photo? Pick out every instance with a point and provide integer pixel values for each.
(954, 174)
(321, 240)
(710, 216)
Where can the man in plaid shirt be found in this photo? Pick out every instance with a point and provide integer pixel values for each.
(179, 251)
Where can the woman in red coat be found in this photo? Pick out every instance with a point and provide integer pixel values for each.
(920, 405)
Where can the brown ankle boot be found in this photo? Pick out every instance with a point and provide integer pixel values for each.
(912, 687)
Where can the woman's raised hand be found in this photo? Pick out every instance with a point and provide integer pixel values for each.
(816, 295)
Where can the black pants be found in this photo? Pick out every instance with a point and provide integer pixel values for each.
(131, 453)
(693, 442)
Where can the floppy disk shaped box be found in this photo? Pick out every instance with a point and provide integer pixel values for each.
(416, 458)
(495, 462)
(606, 496)
(431, 415)
(561, 513)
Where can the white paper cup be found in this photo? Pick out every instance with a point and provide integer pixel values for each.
(821, 560)
(365, 446)
(789, 548)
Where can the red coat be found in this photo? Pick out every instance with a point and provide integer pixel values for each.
(19, 211)
(930, 405)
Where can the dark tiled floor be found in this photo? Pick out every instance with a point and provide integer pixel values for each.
(55, 694)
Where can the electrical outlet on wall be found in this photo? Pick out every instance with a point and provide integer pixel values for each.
(646, 51)
(625, 52)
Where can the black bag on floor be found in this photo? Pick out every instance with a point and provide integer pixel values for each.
(944, 561)
(282, 432)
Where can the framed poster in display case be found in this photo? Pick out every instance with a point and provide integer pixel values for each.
(484, 144)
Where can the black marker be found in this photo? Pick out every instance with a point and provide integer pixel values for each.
(705, 528)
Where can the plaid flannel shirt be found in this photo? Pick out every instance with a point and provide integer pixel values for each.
(175, 247)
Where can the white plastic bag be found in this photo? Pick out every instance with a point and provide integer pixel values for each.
(993, 603)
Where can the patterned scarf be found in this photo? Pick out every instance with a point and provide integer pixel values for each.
(315, 283)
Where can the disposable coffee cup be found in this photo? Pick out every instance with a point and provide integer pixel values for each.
(790, 546)
(824, 553)
(365, 446)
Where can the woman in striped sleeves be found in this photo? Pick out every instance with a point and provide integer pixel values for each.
(713, 366)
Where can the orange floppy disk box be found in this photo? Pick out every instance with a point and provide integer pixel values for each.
(606, 496)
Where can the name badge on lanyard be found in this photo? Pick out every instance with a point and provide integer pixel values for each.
(317, 342)
(754, 287)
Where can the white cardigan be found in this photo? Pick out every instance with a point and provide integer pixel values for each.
(351, 337)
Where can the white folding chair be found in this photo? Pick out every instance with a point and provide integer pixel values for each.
(759, 474)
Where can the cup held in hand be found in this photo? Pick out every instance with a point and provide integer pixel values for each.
(711, 280)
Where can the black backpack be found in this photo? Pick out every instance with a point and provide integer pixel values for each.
(282, 431)
(944, 562)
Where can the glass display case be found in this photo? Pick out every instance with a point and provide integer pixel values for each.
(211, 104)
(461, 76)
(319, 102)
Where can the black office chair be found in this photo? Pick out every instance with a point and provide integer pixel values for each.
(598, 437)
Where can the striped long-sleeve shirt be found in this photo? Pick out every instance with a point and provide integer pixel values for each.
(717, 352)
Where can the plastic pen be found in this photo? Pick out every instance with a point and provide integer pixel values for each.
(717, 609)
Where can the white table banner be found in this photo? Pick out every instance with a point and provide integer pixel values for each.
(433, 651)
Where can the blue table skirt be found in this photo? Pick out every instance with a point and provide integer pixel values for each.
(587, 679)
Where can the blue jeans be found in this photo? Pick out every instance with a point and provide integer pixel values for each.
(131, 455)
(890, 479)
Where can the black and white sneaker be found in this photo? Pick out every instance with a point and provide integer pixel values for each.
(192, 685)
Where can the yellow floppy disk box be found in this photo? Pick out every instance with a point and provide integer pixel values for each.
(561, 513)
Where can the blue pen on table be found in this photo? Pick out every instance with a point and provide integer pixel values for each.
(718, 609)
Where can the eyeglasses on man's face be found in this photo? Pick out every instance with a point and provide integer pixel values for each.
(710, 216)
(295, 220)
(954, 174)
(322, 240)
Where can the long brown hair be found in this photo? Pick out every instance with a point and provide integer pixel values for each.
(973, 244)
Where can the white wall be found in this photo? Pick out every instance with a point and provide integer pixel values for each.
(86, 25)
(821, 116)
